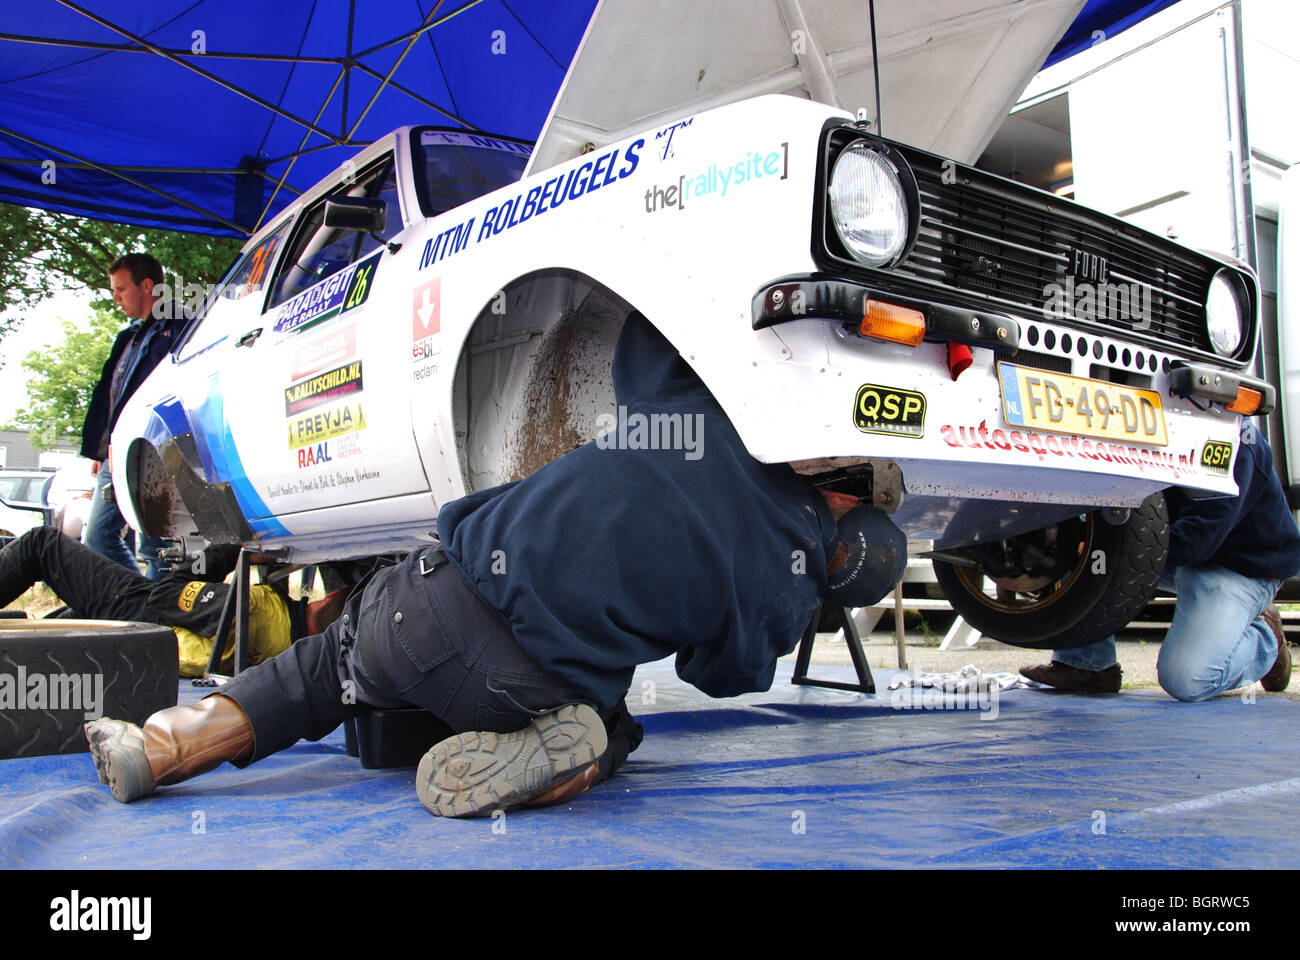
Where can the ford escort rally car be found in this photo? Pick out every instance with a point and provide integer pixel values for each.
(1007, 373)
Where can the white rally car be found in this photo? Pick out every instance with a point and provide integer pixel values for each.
(1009, 374)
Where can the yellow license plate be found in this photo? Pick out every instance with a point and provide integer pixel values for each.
(1059, 403)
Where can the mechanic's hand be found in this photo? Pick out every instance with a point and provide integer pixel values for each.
(839, 503)
(94, 467)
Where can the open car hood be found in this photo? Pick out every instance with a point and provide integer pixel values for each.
(950, 70)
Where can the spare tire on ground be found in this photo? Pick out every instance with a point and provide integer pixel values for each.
(55, 675)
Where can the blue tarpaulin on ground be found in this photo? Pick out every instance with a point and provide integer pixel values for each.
(795, 777)
(211, 115)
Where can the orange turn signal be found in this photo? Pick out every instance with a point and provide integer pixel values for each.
(1247, 401)
(887, 321)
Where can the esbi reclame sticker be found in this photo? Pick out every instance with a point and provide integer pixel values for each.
(889, 410)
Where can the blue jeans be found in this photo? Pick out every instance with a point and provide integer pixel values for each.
(104, 532)
(1216, 642)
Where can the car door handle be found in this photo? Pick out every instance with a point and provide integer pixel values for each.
(247, 339)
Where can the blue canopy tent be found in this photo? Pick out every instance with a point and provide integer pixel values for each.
(211, 115)
(1103, 19)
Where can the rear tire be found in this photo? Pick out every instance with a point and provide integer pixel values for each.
(1110, 572)
(132, 669)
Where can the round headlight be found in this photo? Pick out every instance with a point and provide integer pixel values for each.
(1223, 315)
(868, 205)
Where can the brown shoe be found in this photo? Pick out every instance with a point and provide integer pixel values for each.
(1065, 677)
(566, 790)
(1279, 675)
(173, 745)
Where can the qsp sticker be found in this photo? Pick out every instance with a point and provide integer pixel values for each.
(189, 594)
(1216, 456)
(889, 410)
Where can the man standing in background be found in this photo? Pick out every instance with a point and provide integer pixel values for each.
(136, 351)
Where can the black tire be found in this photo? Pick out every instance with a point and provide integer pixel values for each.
(137, 661)
(13, 614)
(1086, 602)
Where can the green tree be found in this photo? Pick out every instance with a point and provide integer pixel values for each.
(62, 378)
(46, 252)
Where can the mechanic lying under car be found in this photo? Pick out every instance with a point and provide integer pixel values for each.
(1227, 558)
(96, 588)
(522, 629)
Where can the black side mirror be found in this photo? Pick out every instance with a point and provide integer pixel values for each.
(369, 214)
(356, 213)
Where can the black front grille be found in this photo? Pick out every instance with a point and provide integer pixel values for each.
(1042, 361)
(1007, 245)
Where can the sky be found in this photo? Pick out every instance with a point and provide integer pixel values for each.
(42, 328)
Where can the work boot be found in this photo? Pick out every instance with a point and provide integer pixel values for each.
(566, 790)
(1062, 676)
(1279, 675)
(478, 772)
(174, 745)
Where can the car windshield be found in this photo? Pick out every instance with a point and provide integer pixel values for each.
(457, 167)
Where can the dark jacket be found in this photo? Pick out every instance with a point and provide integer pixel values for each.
(1253, 534)
(141, 346)
(608, 558)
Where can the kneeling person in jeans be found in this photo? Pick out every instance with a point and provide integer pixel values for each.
(1227, 558)
(522, 629)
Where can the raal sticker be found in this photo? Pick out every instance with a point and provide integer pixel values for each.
(889, 410)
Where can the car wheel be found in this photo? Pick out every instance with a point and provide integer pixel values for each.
(55, 675)
(1064, 586)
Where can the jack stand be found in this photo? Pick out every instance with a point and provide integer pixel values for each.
(866, 683)
(236, 608)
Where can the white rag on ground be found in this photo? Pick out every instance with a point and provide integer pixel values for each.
(969, 679)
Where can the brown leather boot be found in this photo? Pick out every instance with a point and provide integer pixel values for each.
(1279, 675)
(173, 745)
